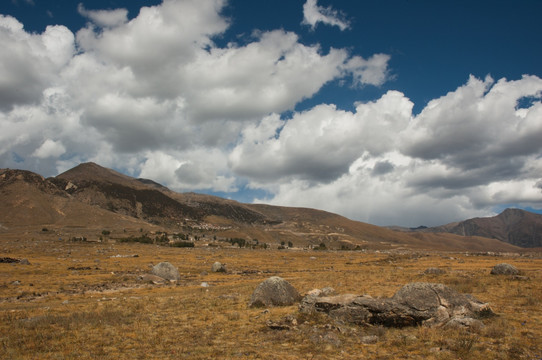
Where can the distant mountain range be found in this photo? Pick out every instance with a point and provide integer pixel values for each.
(89, 198)
(514, 226)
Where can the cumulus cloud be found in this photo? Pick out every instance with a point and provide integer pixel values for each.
(259, 78)
(49, 148)
(319, 144)
(155, 97)
(373, 71)
(314, 14)
(465, 153)
(104, 18)
(32, 62)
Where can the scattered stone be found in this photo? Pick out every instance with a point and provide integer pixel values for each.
(24, 262)
(204, 273)
(434, 271)
(275, 291)
(285, 323)
(204, 284)
(327, 338)
(16, 282)
(370, 339)
(218, 267)
(504, 269)
(464, 323)
(520, 278)
(167, 271)
(153, 279)
(327, 291)
(79, 268)
(233, 297)
(414, 304)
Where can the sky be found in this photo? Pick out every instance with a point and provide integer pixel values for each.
(393, 112)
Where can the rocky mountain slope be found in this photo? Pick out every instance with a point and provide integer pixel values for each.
(514, 226)
(93, 197)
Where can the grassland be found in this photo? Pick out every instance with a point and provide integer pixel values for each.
(80, 300)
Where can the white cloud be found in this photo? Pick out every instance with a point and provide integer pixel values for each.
(157, 98)
(314, 14)
(49, 148)
(197, 169)
(373, 71)
(271, 74)
(322, 143)
(32, 62)
(465, 153)
(104, 18)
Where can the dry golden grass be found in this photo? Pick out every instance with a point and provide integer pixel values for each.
(98, 309)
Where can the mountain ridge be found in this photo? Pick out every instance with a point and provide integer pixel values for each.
(92, 195)
(514, 226)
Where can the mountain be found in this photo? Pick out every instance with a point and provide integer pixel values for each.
(30, 201)
(89, 198)
(514, 226)
(146, 199)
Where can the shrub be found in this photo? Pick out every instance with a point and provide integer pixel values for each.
(145, 239)
(183, 244)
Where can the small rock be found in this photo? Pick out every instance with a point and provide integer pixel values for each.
(434, 271)
(24, 262)
(464, 323)
(204, 284)
(218, 267)
(149, 278)
(370, 339)
(504, 269)
(327, 291)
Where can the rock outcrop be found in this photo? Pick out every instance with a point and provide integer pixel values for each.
(414, 304)
(274, 291)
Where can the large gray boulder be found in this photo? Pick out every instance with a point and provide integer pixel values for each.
(414, 304)
(274, 291)
(504, 269)
(167, 271)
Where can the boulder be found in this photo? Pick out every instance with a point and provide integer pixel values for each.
(167, 271)
(414, 304)
(504, 269)
(218, 267)
(274, 291)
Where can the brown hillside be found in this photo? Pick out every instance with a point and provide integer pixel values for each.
(90, 196)
(31, 202)
(514, 226)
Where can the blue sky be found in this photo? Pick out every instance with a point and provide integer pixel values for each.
(389, 112)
